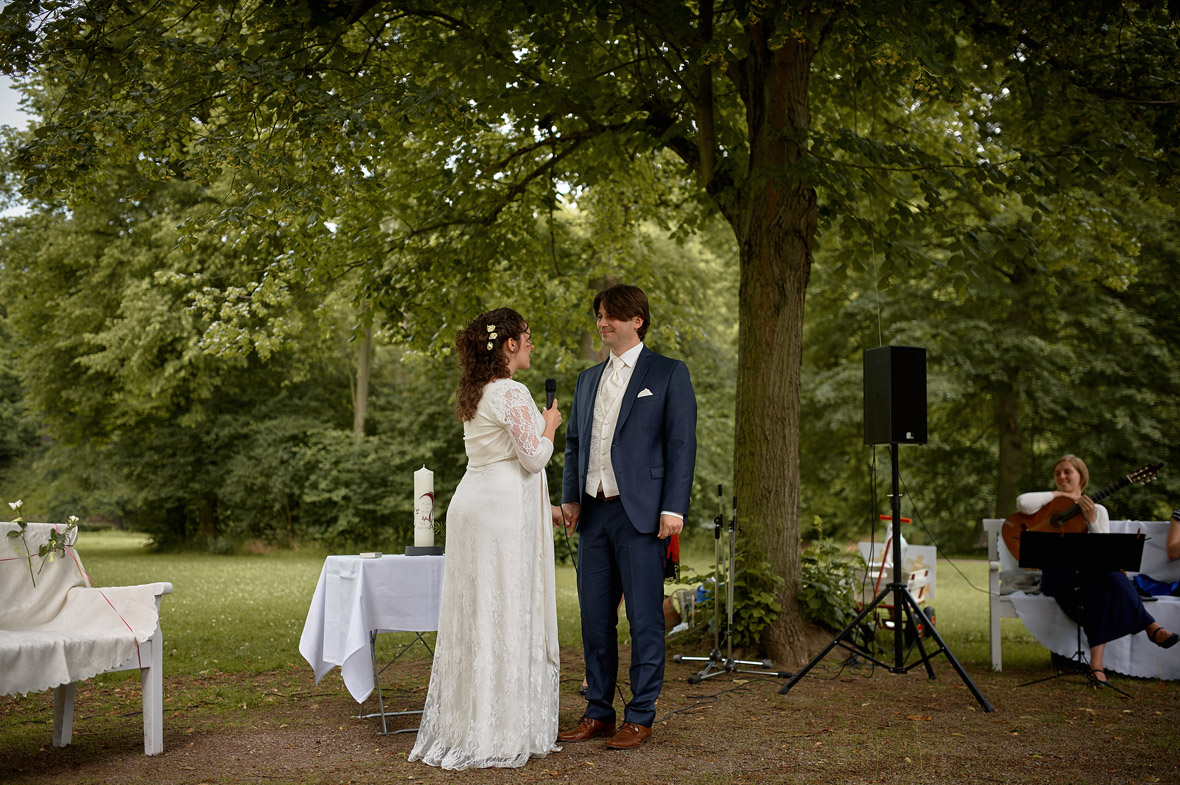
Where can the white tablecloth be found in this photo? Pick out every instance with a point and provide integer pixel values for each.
(355, 596)
(1133, 655)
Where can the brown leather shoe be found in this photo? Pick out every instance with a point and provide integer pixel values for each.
(588, 729)
(629, 737)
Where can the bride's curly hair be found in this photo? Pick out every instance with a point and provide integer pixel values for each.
(480, 357)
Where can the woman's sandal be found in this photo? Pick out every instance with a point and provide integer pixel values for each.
(1101, 682)
(1167, 642)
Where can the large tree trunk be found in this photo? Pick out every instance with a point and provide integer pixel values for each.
(775, 227)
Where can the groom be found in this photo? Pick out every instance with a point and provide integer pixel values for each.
(630, 448)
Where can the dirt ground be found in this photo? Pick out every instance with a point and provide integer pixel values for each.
(842, 723)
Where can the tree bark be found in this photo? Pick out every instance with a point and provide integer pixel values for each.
(360, 402)
(1011, 452)
(1007, 403)
(775, 228)
(207, 516)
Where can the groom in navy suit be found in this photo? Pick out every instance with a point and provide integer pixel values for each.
(630, 449)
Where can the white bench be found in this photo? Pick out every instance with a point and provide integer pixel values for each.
(62, 631)
(1133, 655)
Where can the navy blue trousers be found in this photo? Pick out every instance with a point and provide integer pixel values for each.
(1109, 605)
(615, 560)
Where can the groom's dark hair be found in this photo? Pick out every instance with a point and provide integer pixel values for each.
(624, 302)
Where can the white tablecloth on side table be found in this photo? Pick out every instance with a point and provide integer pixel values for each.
(355, 596)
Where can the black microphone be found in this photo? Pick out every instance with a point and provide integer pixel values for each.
(550, 392)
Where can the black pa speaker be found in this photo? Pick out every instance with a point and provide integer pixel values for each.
(895, 395)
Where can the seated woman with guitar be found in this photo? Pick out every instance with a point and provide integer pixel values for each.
(1109, 606)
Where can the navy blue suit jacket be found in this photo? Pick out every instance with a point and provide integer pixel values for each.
(655, 444)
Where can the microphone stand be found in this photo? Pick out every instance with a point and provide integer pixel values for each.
(715, 663)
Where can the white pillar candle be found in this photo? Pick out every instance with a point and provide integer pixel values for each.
(423, 508)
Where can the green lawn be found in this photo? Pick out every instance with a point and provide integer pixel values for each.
(245, 613)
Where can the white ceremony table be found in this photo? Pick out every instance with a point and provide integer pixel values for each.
(355, 599)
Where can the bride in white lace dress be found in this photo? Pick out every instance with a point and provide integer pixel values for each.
(493, 696)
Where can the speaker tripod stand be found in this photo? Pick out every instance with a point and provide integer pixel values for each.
(904, 605)
(716, 663)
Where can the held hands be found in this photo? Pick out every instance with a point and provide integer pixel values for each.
(669, 525)
(573, 512)
(555, 511)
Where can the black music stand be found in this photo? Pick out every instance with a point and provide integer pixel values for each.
(1079, 554)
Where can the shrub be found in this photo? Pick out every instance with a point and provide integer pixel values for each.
(828, 587)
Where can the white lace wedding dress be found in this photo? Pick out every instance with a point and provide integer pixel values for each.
(493, 696)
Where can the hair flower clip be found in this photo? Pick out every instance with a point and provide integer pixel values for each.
(491, 328)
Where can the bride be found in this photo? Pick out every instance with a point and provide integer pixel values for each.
(493, 697)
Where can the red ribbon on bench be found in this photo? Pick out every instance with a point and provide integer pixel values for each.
(70, 550)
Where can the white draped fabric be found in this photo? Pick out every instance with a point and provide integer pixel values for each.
(493, 697)
(1131, 655)
(61, 630)
(356, 596)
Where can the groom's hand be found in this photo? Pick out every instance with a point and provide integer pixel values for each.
(573, 512)
(669, 525)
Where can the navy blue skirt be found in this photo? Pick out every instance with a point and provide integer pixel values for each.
(1106, 606)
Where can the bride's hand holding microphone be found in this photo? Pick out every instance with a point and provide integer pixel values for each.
(552, 417)
(567, 514)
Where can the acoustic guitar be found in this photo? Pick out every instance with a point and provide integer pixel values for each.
(1063, 514)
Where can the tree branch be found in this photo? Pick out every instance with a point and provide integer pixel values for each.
(513, 192)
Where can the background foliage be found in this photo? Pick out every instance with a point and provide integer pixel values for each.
(224, 201)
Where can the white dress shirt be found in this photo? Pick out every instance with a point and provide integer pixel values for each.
(600, 474)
